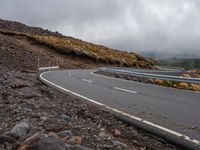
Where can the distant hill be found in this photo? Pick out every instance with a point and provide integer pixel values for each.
(186, 63)
(68, 46)
(171, 54)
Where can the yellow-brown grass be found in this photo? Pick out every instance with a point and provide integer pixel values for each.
(96, 52)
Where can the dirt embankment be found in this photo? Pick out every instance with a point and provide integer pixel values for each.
(66, 45)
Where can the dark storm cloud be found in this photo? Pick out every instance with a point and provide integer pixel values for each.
(142, 25)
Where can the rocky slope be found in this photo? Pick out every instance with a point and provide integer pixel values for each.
(34, 116)
(66, 45)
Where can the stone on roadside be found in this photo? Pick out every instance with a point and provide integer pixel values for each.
(21, 128)
(4, 82)
(116, 132)
(49, 143)
(53, 134)
(19, 84)
(119, 144)
(31, 140)
(64, 134)
(65, 118)
(43, 118)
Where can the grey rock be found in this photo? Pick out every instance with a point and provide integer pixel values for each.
(4, 82)
(19, 84)
(27, 92)
(49, 143)
(120, 144)
(35, 137)
(67, 133)
(22, 128)
(44, 118)
(65, 118)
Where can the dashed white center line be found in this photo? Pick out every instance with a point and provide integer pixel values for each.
(87, 80)
(125, 90)
(69, 73)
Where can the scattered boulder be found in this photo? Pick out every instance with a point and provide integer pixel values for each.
(48, 143)
(4, 82)
(65, 118)
(21, 128)
(53, 126)
(19, 84)
(53, 134)
(64, 134)
(119, 144)
(116, 132)
(103, 134)
(31, 140)
(27, 93)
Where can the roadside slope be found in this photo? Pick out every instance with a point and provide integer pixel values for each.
(66, 45)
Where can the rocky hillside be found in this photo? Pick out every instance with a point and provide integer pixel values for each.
(68, 46)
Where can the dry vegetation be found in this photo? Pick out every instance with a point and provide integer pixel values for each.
(96, 52)
(177, 85)
(69, 45)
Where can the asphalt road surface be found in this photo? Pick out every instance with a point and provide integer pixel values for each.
(178, 110)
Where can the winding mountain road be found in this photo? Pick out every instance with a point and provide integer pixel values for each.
(174, 109)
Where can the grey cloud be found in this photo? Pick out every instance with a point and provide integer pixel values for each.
(142, 25)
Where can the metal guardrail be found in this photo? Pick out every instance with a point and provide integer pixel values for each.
(169, 67)
(160, 70)
(149, 75)
(48, 68)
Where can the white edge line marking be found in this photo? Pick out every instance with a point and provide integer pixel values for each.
(87, 80)
(123, 113)
(104, 76)
(125, 90)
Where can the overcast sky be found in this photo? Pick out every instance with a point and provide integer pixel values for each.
(132, 25)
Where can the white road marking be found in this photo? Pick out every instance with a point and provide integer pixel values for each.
(125, 90)
(69, 73)
(123, 113)
(87, 80)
